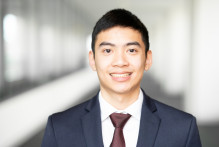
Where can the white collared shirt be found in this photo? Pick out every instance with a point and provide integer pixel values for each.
(131, 128)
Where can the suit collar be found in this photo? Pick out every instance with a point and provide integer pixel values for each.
(134, 109)
(149, 124)
(91, 124)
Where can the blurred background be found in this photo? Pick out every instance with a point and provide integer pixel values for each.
(44, 68)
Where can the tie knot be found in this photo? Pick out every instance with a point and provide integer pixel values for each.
(119, 120)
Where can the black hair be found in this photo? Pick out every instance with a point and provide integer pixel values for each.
(123, 18)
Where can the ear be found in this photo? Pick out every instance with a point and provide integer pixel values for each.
(92, 60)
(148, 61)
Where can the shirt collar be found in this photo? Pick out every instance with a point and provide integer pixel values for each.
(134, 109)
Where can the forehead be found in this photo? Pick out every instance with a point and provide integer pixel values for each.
(119, 35)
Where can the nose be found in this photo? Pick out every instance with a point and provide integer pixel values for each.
(120, 59)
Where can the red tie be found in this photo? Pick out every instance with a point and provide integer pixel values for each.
(119, 120)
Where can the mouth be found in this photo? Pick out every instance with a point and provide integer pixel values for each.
(120, 75)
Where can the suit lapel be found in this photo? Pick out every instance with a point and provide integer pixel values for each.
(149, 124)
(91, 124)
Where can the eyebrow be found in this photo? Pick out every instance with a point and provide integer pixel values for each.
(106, 43)
(128, 44)
(133, 43)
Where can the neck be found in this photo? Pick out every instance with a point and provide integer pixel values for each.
(120, 100)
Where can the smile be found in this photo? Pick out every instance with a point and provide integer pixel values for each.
(120, 75)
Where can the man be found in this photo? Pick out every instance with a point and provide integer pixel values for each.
(121, 114)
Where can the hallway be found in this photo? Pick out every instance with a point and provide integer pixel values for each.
(44, 69)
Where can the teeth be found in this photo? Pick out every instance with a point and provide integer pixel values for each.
(120, 75)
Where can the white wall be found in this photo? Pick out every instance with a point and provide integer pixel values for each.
(25, 114)
(202, 97)
(1, 63)
(170, 44)
(185, 46)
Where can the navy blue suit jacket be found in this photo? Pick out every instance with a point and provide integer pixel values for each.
(160, 126)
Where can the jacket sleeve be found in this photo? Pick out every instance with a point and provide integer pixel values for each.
(193, 139)
(49, 139)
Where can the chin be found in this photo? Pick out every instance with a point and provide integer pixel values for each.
(121, 90)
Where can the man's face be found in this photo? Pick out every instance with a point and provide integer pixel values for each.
(120, 59)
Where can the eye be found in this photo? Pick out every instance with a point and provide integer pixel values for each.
(107, 50)
(132, 50)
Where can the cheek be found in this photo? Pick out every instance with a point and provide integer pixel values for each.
(102, 64)
(138, 64)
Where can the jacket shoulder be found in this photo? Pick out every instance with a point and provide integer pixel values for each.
(178, 128)
(169, 112)
(72, 114)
